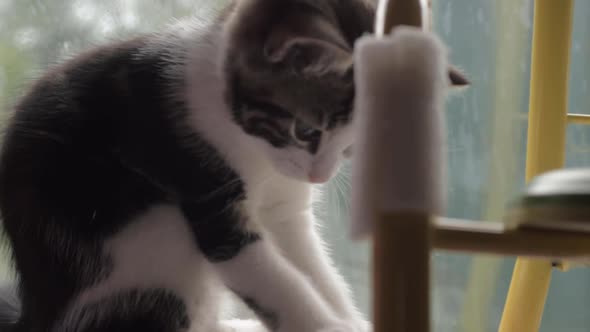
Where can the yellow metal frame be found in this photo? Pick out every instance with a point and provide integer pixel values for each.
(402, 241)
(579, 119)
(552, 34)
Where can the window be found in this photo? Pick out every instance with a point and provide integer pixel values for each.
(486, 133)
(487, 137)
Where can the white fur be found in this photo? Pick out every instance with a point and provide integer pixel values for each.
(240, 325)
(158, 251)
(288, 271)
(304, 288)
(253, 158)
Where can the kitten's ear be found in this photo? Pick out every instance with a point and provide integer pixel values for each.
(307, 54)
(457, 78)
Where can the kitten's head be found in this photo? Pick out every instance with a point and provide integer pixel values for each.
(291, 82)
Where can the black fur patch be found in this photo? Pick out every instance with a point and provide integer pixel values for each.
(218, 235)
(154, 310)
(94, 144)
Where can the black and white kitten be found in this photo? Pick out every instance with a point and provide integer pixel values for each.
(140, 179)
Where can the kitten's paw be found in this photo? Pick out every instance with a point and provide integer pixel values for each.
(242, 325)
(363, 326)
(356, 326)
(343, 328)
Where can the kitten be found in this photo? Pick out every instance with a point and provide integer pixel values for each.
(141, 179)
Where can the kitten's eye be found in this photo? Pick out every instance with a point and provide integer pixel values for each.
(303, 132)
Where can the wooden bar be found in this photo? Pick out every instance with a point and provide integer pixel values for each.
(397, 12)
(401, 266)
(401, 241)
(492, 238)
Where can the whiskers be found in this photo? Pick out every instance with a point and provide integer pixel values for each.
(341, 195)
(335, 202)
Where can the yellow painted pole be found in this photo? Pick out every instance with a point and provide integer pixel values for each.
(552, 33)
(579, 118)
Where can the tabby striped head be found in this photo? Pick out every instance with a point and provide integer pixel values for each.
(290, 79)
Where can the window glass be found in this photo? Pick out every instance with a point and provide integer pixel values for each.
(487, 126)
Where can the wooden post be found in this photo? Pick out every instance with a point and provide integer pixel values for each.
(397, 12)
(401, 272)
(401, 240)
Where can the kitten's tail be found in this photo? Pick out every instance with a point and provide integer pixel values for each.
(10, 308)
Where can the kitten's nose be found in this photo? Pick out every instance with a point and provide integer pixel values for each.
(313, 178)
